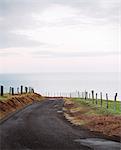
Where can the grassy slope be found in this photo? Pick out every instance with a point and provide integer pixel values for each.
(103, 110)
(96, 119)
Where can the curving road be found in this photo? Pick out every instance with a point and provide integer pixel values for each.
(41, 126)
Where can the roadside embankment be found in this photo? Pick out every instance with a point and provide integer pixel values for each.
(16, 102)
(81, 114)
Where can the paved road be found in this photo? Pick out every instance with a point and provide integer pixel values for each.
(41, 126)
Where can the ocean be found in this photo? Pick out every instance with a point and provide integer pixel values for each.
(55, 84)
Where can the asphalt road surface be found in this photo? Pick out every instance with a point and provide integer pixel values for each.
(41, 126)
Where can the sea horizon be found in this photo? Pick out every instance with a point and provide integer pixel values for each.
(64, 83)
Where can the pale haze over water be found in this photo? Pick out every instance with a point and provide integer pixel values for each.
(61, 36)
(63, 83)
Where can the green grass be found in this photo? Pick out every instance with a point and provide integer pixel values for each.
(99, 109)
(4, 97)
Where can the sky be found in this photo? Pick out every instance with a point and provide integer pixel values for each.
(60, 36)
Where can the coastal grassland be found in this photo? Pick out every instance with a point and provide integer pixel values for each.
(111, 109)
(82, 112)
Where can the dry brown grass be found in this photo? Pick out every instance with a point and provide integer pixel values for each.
(109, 125)
(13, 103)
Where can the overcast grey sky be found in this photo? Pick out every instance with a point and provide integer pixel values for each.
(60, 35)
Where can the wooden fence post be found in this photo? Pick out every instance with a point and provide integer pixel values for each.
(82, 95)
(1, 90)
(21, 89)
(26, 89)
(115, 101)
(70, 95)
(78, 94)
(96, 98)
(31, 91)
(17, 90)
(106, 100)
(12, 91)
(101, 101)
(89, 96)
(92, 96)
(86, 95)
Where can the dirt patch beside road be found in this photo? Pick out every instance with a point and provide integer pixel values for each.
(83, 115)
(16, 102)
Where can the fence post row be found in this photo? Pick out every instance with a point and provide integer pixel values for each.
(26, 89)
(12, 91)
(85, 95)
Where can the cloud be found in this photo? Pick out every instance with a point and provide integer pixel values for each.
(8, 40)
(19, 13)
(34, 15)
(8, 54)
(53, 54)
